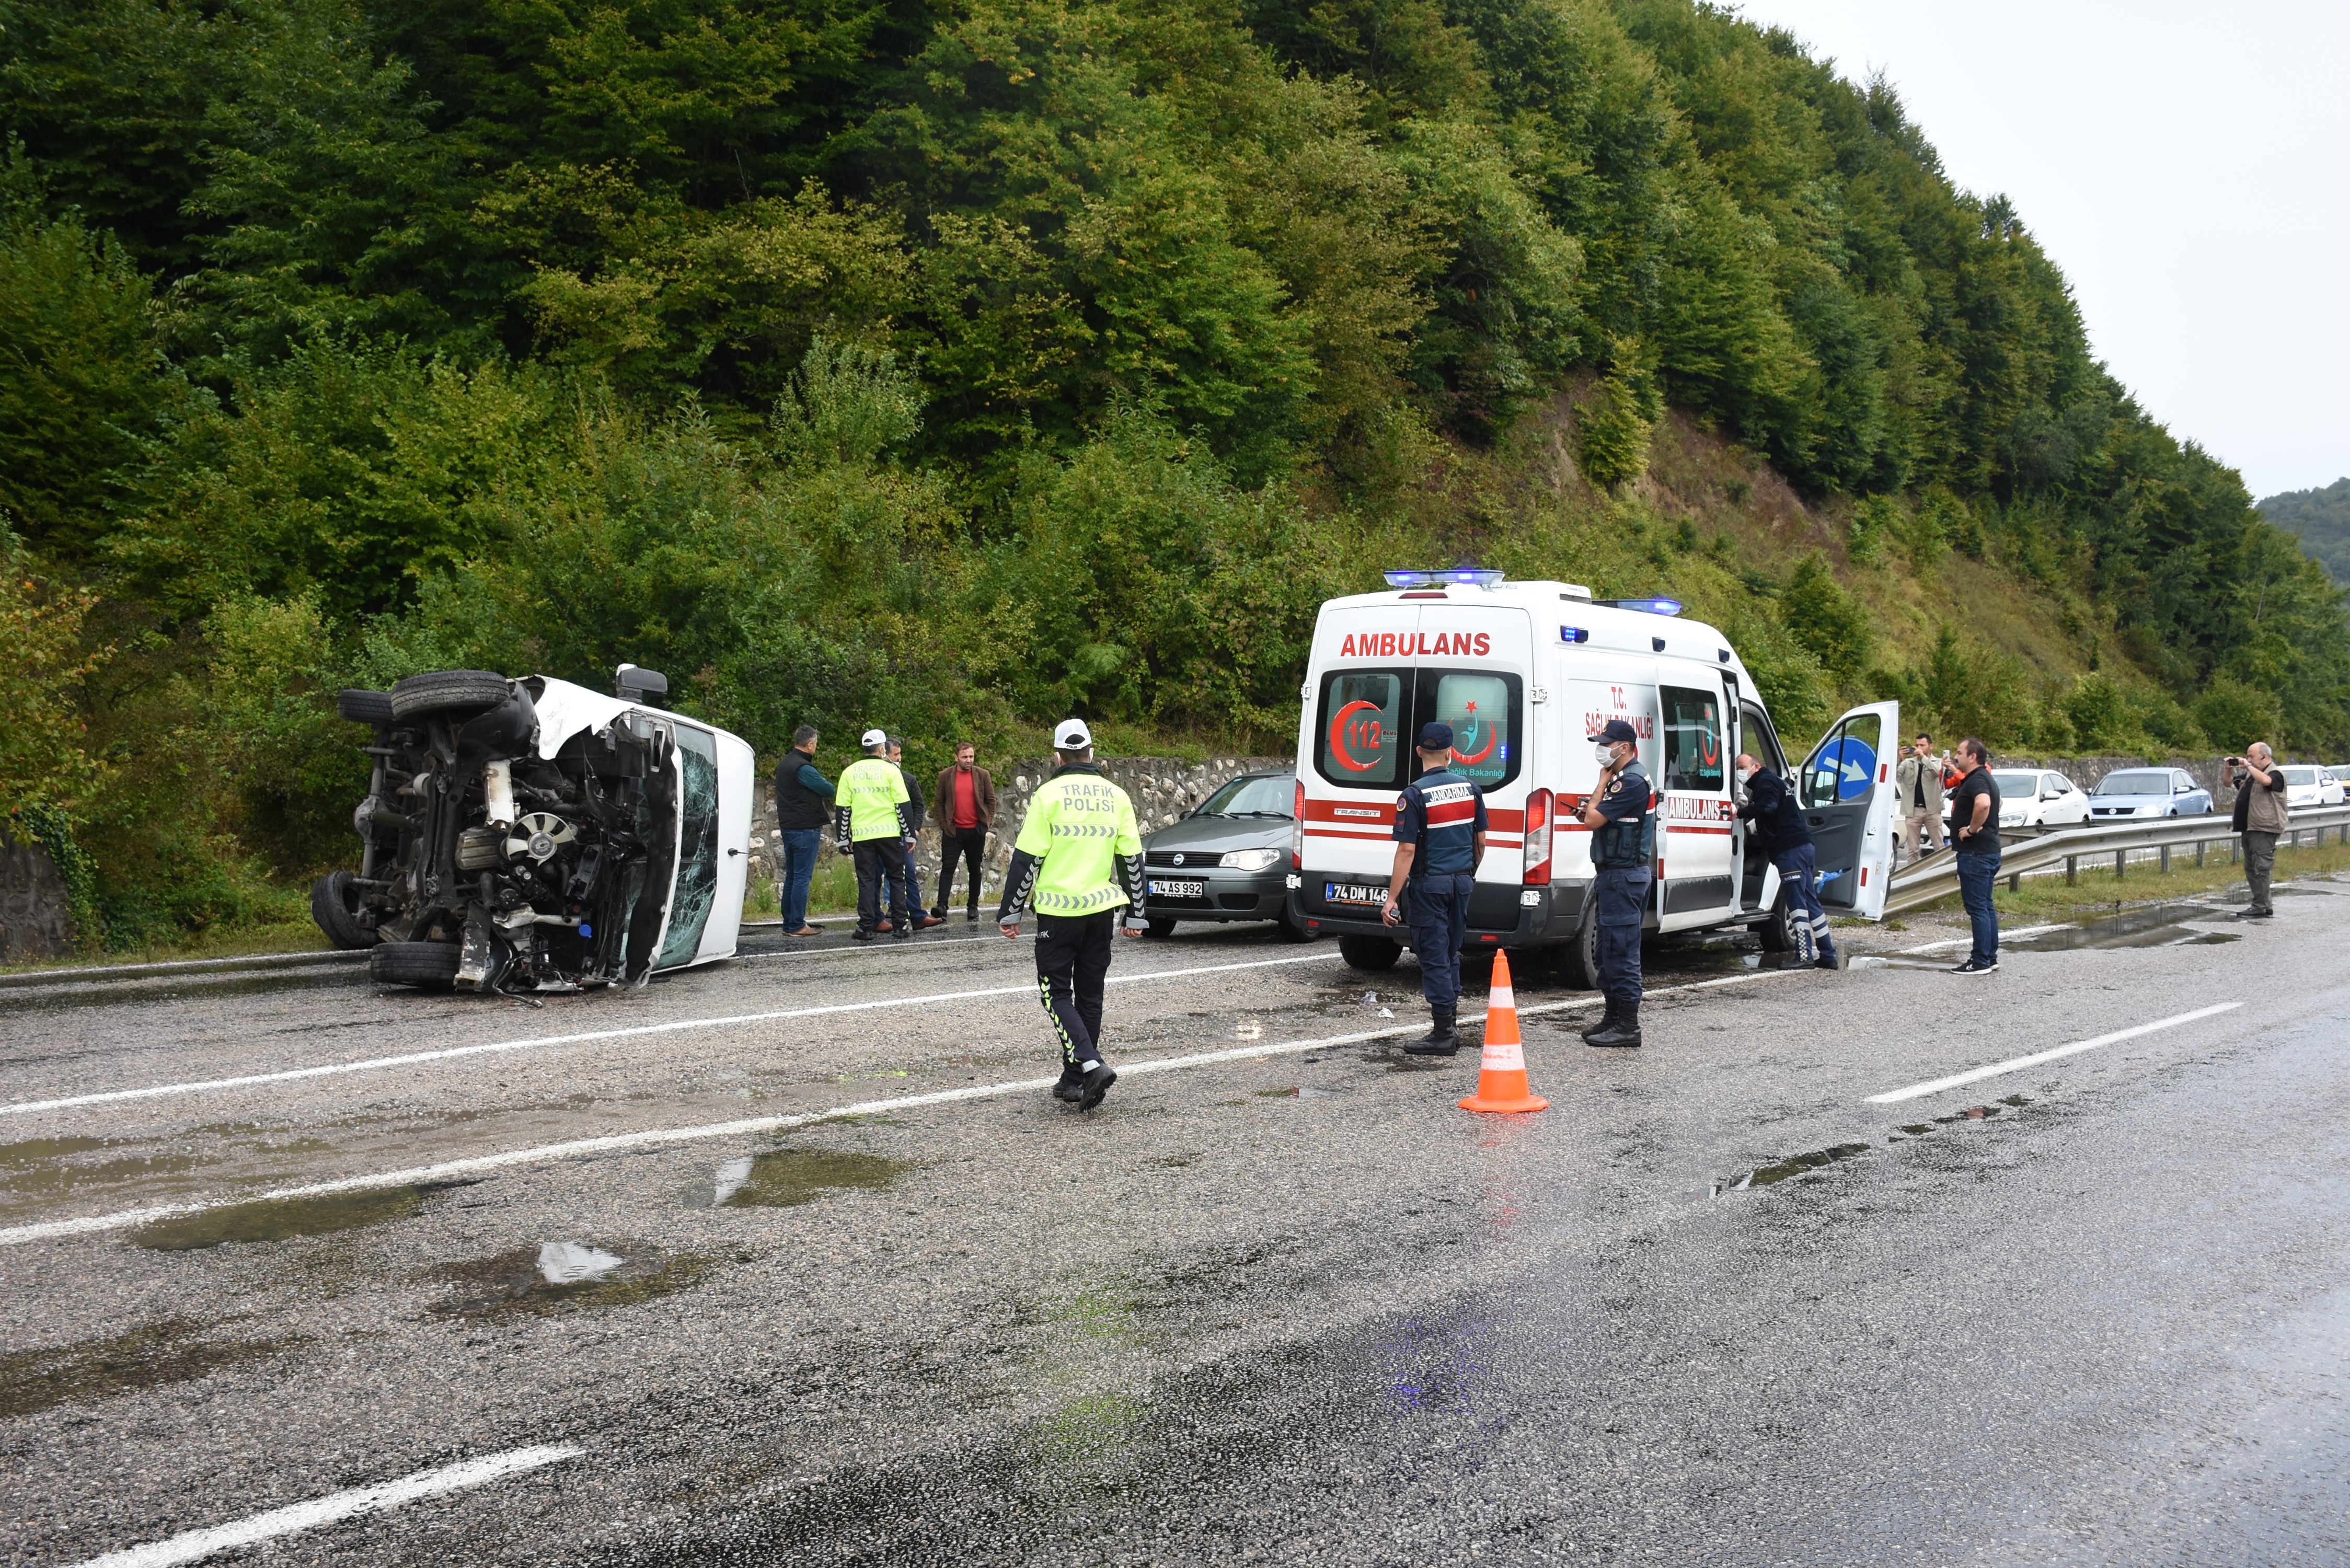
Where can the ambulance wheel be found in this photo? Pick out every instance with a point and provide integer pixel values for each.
(1582, 956)
(1372, 955)
(1287, 929)
(1161, 928)
(1777, 934)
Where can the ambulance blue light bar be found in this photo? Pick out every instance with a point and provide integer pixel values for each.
(1473, 576)
(1646, 607)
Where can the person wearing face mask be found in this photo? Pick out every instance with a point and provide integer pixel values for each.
(1777, 830)
(1622, 815)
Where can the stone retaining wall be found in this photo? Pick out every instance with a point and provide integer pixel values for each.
(1163, 788)
(34, 919)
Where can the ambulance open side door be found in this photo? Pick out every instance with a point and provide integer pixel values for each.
(1846, 791)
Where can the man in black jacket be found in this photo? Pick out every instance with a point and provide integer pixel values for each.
(803, 807)
(1777, 829)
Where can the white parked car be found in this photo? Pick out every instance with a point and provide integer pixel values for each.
(2149, 791)
(2030, 798)
(2306, 785)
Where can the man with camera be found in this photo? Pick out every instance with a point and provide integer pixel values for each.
(2259, 820)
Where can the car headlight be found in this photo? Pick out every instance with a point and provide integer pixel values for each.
(1249, 859)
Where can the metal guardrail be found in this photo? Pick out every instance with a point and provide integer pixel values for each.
(1922, 882)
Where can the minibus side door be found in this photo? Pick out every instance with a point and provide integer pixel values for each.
(1846, 791)
(1694, 827)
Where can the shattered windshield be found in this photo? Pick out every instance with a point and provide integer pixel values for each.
(697, 855)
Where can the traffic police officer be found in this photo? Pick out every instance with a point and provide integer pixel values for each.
(871, 822)
(1440, 833)
(1780, 833)
(1622, 815)
(1078, 859)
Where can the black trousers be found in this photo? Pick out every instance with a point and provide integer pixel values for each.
(881, 864)
(964, 843)
(1072, 961)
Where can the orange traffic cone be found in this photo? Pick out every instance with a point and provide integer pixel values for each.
(1502, 1077)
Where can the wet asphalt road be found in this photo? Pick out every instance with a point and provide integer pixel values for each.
(1281, 1305)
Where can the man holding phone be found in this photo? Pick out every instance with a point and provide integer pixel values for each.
(1439, 834)
(2261, 817)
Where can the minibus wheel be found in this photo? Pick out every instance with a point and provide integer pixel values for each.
(1369, 954)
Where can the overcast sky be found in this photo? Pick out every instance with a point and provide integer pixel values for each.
(2185, 165)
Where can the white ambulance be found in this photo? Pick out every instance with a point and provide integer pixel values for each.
(1526, 674)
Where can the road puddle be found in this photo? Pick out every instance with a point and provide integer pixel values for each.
(47, 1167)
(2156, 926)
(533, 1282)
(787, 1177)
(170, 1351)
(280, 1218)
(1821, 1158)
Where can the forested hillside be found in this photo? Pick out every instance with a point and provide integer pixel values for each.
(950, 366)
(2320, 519)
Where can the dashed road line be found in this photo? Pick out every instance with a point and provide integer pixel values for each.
(2016, 1063)
(194, 1545)
(655, 1137)
(409, 1059)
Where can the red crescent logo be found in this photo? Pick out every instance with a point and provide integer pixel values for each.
(1342, 735)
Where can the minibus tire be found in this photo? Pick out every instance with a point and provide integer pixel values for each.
(1372, 955)
(1583, 955)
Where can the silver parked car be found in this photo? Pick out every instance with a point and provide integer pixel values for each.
(1229, 861)
(2148, 792)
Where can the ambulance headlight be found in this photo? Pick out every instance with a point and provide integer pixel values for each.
(1249, 859)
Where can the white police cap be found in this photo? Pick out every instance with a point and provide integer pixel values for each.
(874, 738)
(1072, 736)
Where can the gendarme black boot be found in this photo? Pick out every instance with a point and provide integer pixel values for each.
(1624, 1032)
(1442, 1038)
(1606, 1020)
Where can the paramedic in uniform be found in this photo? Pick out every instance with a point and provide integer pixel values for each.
(1078, 860)
(1439, 834)
(1778, 832)
(1621, 814)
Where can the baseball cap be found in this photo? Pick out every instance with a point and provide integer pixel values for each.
(1435, 737)
(1616, 730)
(874, 738)
(1071, 735)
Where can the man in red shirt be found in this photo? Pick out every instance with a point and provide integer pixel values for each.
(966, 810)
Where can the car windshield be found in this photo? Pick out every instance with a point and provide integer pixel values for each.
(2299, 775)
(1260, 795)
(2139, 781)
(2011, 784)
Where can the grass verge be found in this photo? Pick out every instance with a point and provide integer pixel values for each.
(2043, 900)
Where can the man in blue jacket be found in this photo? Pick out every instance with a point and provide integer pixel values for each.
(1777, 829)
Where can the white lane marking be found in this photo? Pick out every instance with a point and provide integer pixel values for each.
(376, 1064)
(198, 1544)
(2015, 1063)
(656, 1137)
(1968, 942)
(911, 945)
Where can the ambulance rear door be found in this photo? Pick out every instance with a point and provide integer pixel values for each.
(1846, 791)
(1695, 832)
(1475, 674)
(1354, 756)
